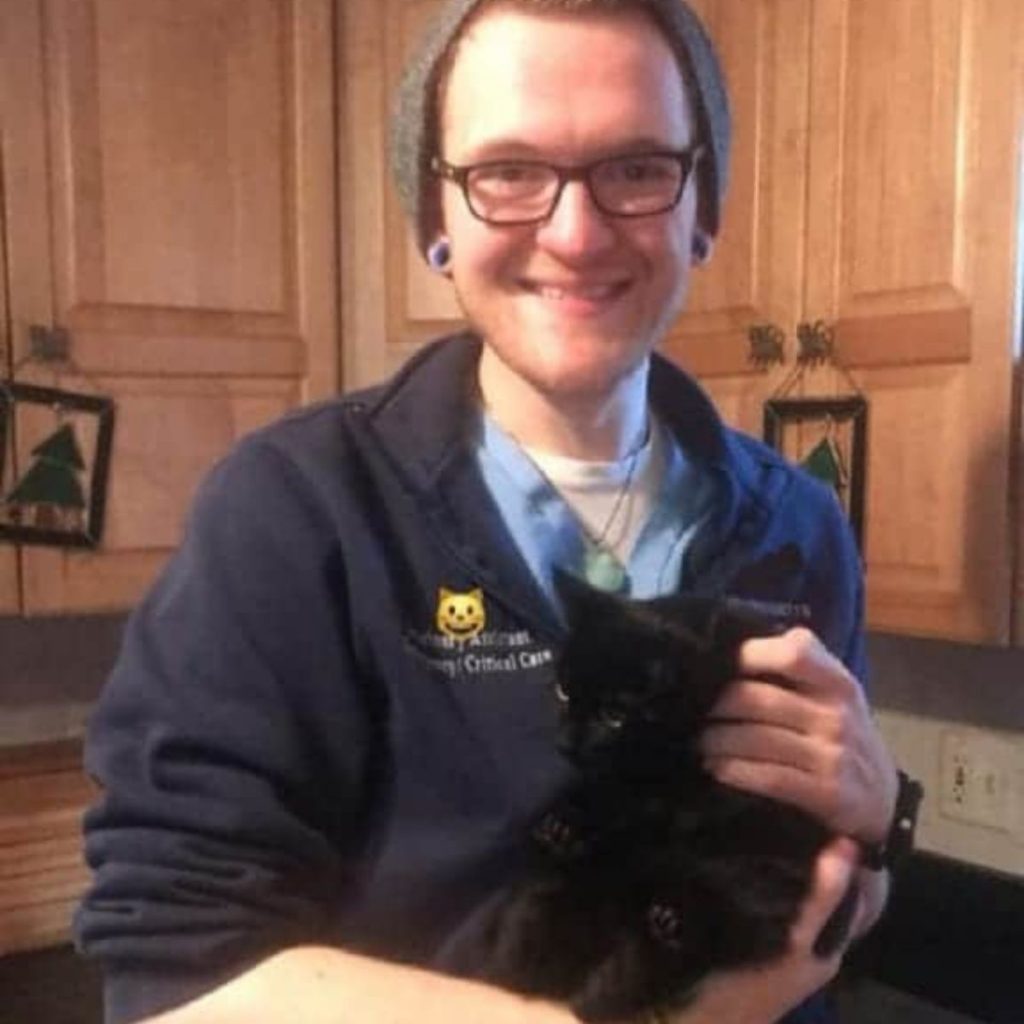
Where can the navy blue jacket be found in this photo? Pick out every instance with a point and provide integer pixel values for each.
(292, 751)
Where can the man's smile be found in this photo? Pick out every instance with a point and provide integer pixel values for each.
(578, 296)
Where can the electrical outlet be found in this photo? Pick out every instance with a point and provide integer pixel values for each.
(977, 779)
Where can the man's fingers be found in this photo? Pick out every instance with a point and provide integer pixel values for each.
(801, 659)
(771, 703)
(794, 786)
(765, 743)
(833, 873)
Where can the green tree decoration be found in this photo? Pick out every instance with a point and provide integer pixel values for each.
(828, 438)
(50, 492)
(825, 463)
(60, 499)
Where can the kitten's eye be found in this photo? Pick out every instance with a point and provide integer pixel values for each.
(612, 718)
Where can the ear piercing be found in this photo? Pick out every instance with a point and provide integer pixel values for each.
(439, 254)
(701, 246)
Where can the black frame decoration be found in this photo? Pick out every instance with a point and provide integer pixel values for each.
(57, 461)
(797, 427)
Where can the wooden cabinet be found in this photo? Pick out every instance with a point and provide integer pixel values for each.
(168, 192)
(876, 188)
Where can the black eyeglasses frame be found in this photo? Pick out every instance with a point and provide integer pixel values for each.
(458, 174)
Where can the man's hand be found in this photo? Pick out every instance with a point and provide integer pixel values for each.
(807, 739)
(761, 995)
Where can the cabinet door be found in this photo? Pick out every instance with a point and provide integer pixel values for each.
(175, 183)
(394, 302)
(756, 272)
(912, 222)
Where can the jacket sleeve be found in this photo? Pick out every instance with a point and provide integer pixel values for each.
(232, 744)
(837, 585)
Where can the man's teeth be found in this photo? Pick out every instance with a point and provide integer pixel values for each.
(594, 292)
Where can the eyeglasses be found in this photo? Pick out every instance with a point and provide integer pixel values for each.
(511, 192)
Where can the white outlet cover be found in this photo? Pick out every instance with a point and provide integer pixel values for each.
(977, 779)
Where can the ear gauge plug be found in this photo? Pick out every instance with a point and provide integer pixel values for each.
(439, 255)
(700, 246)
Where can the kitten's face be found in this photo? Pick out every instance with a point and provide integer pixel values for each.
(639, 671)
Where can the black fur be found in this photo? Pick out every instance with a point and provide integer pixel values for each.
(646, 873)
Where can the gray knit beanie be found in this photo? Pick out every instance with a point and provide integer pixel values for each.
(414, 126)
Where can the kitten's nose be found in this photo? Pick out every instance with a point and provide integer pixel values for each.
(581, 742)
(567, 736)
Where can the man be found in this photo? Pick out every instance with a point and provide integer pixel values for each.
(333, 717)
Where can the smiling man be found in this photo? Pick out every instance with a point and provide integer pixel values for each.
(333, 719)
(570, 282)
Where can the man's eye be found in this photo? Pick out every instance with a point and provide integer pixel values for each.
(509, 175)
(642, 170)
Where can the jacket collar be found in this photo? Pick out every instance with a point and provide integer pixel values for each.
(424, 415)
(424, 418)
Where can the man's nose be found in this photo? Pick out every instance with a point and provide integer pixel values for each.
(576, 226)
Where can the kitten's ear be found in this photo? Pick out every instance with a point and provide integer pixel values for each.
(443, 593)
(579, 599)
(770, 575)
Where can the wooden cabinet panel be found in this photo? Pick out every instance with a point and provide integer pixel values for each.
(145, 95)
(191, 216)
(394, 302)
(893, 222)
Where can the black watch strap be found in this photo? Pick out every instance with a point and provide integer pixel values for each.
(898, 844)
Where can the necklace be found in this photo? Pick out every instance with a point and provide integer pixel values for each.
(601, 566)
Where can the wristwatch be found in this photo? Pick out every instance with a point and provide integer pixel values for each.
(897, 846)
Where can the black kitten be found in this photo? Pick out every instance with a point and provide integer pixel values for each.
(646, 873)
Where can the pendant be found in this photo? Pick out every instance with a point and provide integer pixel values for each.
(601, 569)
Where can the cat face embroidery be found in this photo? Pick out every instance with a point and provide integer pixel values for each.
(460, 616)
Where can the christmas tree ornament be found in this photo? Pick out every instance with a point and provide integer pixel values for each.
(826, 435)
(53, 475)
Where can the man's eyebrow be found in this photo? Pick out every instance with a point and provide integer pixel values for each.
(518, 149)
(499, 149)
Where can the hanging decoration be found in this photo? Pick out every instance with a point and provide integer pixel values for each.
(56, 492)
(826, 436)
